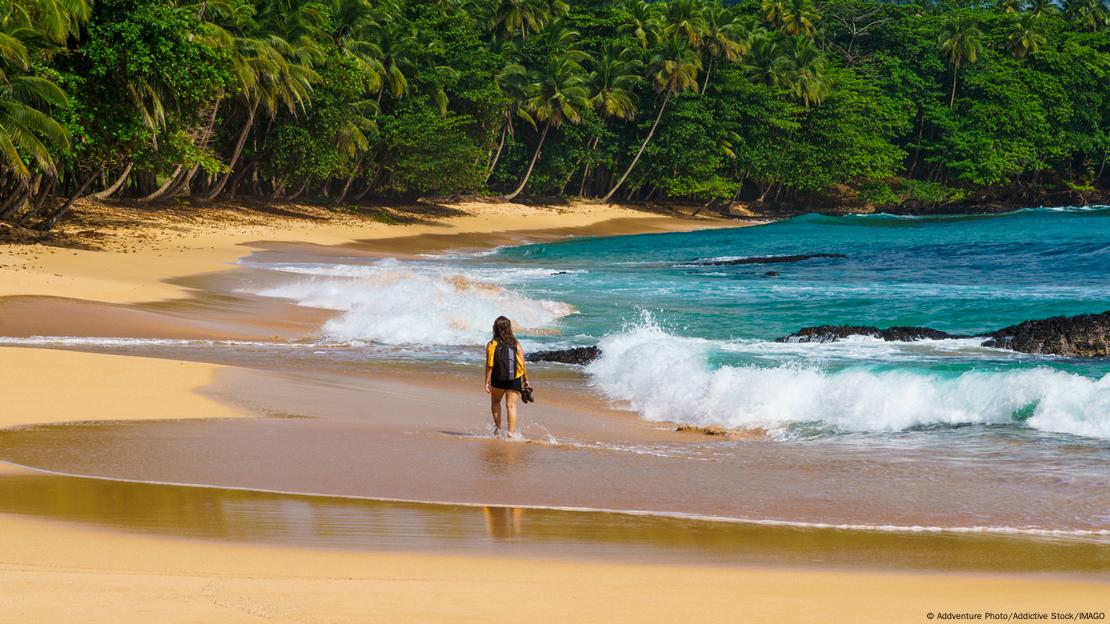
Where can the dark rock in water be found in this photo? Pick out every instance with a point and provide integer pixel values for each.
(1086, 335)
(574, 355)
(561, 273)
(772, 273)
(833, 333)
(766, 259)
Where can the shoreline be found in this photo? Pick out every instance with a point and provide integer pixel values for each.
(1017, 532)
(77, 540)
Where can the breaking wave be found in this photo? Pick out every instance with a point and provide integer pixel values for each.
(669, 378)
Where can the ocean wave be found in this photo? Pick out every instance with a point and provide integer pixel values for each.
(499, 275)
(398, 303)
(669, 378)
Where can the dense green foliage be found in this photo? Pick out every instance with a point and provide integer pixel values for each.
(340, 100)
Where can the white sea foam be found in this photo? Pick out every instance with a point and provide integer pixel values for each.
(669, 378)
(398, 303)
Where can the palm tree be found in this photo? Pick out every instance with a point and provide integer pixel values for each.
(800, 18)
(1042, 7)
(26, 101)
(960, 41)
(685, 18)
(352, 141)
(270, 79)
(724, 37)
(512, 80)
(802, 70)
(1091, 15)
(1010, 6)
(558, 93)
(796, 17)
(395, 44)
(25, 123)
(521, 17)
(613, 81)
(765, 60)
(642, 21)
(1024, 38)
(673, 68)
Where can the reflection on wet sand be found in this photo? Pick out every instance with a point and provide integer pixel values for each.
(503, 522)
(332, 522)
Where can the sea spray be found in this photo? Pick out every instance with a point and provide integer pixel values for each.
(669, 378)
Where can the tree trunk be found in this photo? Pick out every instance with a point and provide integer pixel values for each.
(347, 186)
(586, 171)
(165, 187)
(763, 195)
(372, 183)
(708, 71)
(15, 202)
(111, 190)
(535, 157)
(952, 98)
(497, 155)
(643, 145)
(300, 191)
(219, 186)
(49, 222)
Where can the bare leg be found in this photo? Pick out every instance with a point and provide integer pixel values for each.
(511, 398)
(495, 407)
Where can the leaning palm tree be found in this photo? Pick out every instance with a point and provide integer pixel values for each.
(961, 42)
(559, 93)
(1010, 6)
(25, 123)
(673, 68)
(725, 38)
(269, 80)
(613, 80)
(1024, 37)
(512, 81)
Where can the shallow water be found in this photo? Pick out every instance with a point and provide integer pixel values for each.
(331, 522)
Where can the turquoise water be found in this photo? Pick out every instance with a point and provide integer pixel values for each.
(963, 274)
(693, 343)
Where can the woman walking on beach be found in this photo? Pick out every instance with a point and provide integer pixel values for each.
(506, 373)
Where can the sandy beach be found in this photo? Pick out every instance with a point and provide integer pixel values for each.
(174, 277)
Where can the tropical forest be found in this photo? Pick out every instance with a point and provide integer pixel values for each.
(774, 103)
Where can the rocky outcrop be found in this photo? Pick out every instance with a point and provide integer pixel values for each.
(1086, 335)
(574, 355)
(832, 333)
(765, 259)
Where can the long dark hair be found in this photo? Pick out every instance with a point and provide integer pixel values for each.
(503, 331)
